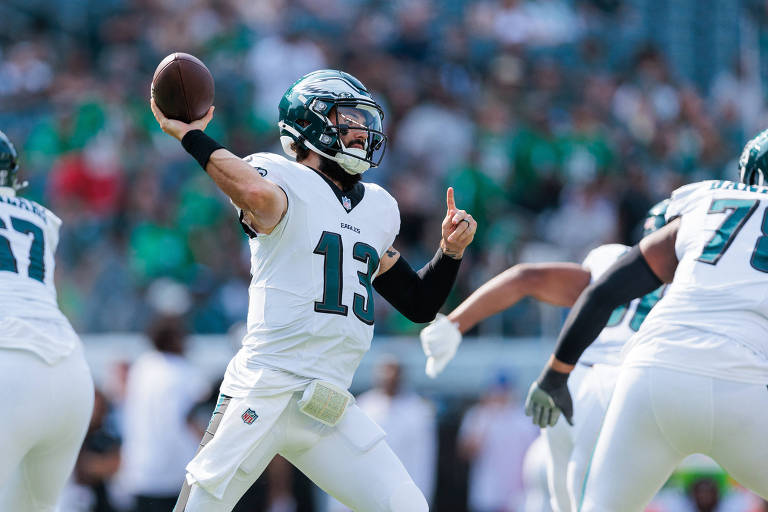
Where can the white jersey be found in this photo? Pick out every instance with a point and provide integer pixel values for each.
(713, 319)
(625, 320)
(30, 318)
(311, 308)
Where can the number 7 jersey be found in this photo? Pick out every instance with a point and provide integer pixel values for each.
(30, 318)
(311, 309)
(713, 319)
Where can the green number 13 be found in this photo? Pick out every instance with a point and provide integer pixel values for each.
(331, 248)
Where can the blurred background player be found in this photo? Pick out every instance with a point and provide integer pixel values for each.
(321, 240)
(494, 438)
(47, 395)
(693, 379)
(569, 446)
(162, 389)
(409, 421)
(535, 482)
(98, 462)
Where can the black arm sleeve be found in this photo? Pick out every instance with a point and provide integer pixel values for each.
(418, 295)
(630, 277)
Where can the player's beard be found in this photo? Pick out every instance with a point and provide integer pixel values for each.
(337, 173)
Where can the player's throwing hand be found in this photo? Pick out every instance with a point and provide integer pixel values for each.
(176, 128)
(458, 229)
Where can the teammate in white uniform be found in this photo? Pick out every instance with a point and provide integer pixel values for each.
(320, 240)
(47, 391)
(694, 377)
(568, 447)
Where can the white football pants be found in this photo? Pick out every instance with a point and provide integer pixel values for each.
(350, 461)
(46, 412)
(570, 447)
(659, 416)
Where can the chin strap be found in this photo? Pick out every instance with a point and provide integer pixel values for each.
(354, 162)
(350, 160)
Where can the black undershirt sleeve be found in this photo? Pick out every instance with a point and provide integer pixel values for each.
(418, 295)
(630, 277)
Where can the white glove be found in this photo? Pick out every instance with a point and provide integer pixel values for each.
(439, 340)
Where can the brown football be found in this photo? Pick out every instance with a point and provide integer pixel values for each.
(183, 87)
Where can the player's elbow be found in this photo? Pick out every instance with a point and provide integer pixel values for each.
(420, 317)
(524, 277)
(257, 198)
(417, 307)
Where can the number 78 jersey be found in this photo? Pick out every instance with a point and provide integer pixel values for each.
(714, 317)
(311, 309)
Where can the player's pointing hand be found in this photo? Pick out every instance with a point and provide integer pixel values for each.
(458, 228)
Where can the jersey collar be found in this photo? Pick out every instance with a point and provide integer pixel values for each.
(348, 199)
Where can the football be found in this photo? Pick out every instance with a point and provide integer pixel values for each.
(183, 87)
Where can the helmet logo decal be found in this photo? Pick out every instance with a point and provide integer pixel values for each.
(336, 86)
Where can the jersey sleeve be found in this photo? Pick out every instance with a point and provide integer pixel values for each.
(394, 223)
(267, 169)
(684, 198)
(52, 226)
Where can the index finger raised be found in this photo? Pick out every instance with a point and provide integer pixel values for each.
(449, 199)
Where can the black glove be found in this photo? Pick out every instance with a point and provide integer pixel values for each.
(548, 397)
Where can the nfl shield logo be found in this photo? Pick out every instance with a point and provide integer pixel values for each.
(249, 416)
(346, 203)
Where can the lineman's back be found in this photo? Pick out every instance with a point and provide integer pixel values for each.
(30, 318)
(714, 316)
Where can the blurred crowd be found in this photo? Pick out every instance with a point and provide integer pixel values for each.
(559, 122)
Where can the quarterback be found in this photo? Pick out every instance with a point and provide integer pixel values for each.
(569, 446)
(694, 377)
(47, 396)
(321, 240)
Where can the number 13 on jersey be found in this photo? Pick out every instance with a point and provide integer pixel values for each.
(331, 248)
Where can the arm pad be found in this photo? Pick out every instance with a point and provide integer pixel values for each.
(630, 277)
(418, 295)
